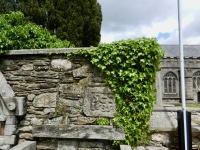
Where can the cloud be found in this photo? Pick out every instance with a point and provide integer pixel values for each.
(123, 19)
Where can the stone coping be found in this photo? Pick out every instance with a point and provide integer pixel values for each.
(79, 132)
(44, 51)
(27, 145)
(172, 109)
(171, 51)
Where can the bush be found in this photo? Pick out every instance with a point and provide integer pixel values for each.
(15, 34)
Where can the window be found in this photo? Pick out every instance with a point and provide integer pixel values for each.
(196, 80)
(170, 83)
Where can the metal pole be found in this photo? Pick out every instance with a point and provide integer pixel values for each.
(182, 74)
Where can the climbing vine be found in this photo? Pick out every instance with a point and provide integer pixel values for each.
(130, 67)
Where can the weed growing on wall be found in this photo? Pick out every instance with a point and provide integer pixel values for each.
(130, 66)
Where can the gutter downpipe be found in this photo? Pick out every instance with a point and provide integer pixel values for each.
(182, 74)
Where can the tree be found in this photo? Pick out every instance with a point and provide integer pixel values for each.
(9, 5)
(75, 20)
(15, 33)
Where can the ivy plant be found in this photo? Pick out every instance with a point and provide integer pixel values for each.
(130, 67)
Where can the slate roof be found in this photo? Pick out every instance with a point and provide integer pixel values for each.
(188, 50)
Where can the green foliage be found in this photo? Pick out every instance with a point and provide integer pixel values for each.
(102, 121)
(15, 33)
(8, 5)
(77, 21)
(61, 110)
(130, 66)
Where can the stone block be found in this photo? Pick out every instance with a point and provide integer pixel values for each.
(45, 74)
(41, 68)
(27, 67)
(10, 129)
(91, 144)
(71, 89)
(10, 139)
(2, 139)
(79, 132)
(26, 128)
(139, 148)
(67, 145)
(156, 148)
(163, 121)
(57, 121)
(160, 138)
(5, 147)
(61, 64)
(27, 136)
(83, 71)
(21, 106)
(41, 62)
(27, 145)
(2, 118)
(99, 101)
(42, 86)
(50, 144)
(67, 102)
(45, 100)
(125, 147)
(30, 97)
(24, 123)
(48, 110)
(11, 120)
(85, 120)
(36, 121)
(5, 89)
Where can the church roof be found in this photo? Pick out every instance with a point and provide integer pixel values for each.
(188, 50)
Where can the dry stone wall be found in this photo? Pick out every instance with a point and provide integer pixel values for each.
(63, 100)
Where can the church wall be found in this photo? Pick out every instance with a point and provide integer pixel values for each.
(191, 65)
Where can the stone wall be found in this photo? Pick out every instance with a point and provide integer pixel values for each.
(164, 125)
(63, 100)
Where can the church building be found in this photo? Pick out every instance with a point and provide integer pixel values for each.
(170, 77)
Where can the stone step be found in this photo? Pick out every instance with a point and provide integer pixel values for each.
(5, 147)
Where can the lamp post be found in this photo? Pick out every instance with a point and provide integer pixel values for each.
(182, 75)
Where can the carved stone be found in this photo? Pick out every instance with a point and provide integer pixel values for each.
(99, 101)
(12, 106)
(5, 89)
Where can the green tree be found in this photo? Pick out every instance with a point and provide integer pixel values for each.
(15, 33)
(77, 21)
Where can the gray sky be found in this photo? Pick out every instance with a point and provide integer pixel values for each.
(124, 19)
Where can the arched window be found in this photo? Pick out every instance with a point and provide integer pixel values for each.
(170, 83)
(196, 80)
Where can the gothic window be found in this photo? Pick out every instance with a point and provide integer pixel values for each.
(196, 80)
(170, 83)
